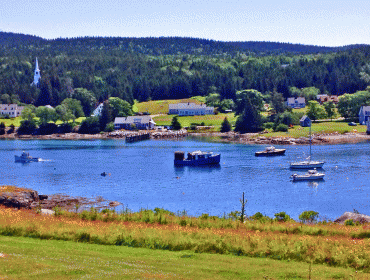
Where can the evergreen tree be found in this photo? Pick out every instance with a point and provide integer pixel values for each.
(106, 115)
(225, 126)
(175, 124)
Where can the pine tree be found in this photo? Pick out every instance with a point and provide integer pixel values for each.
(225, 126)
(176, 125)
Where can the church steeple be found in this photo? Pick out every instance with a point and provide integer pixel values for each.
(37, 76)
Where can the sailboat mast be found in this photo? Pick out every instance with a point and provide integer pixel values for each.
(310, 141)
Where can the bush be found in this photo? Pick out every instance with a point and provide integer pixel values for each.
(282, 127)
(2, 128)
(308, 216)
(269, 125)
(193, 126)
(349, 222)
(90, 126)
(65, 128)
(11, 128)
(260, 217)
(282, 217)
(46, 129)
(109, 127)
(27, 127)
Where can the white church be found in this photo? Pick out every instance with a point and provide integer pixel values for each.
(37, 76)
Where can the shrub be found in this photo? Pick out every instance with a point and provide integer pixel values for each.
(27, 127)
(260, 217)
(48, 128)
(349, 222)
(308, 216)
(282, 127)
(225, 126)
(163, 211)
(90, 126)
(269, 125)
(65, 128)
(109, 127)
(11, 128)
(2, 128)
(282, 217)
(193, 126)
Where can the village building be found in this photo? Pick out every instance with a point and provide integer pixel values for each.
(37, 75)
(190, 109)
(134, 122)
(322, 98)
(98, 110)
(305, 121)
(364, 114)
(298, 102)
(11, 110)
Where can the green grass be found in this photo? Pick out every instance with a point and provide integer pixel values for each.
(318, 128)
(186, 121)
(161, 106)
(15, 121)
(29, 258)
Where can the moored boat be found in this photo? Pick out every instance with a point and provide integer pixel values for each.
(311, 175)
(271, 151)
(197, 158)
(25, 157)
(306, 164)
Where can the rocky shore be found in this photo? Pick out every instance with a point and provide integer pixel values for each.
(232, 137)
(15, 197)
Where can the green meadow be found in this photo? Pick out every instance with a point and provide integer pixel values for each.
(30, 258)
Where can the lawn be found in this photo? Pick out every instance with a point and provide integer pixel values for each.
(186, 121)
(161, 106)
(29, 258)
(318, 128)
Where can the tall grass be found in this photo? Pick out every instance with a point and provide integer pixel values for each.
(331, 244)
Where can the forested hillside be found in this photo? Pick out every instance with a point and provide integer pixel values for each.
(170, 68)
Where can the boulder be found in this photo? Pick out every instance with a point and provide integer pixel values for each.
(361, 218)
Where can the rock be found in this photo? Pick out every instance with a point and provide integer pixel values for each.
(18, 198)
(361, 218)
(47, 212)
(43, 197)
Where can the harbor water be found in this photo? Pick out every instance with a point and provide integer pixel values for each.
(142, 175)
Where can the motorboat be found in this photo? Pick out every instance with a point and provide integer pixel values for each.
(196, 158)
(311, 175)
(25, 157)
(271, 151)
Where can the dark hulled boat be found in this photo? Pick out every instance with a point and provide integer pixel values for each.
(197, 158)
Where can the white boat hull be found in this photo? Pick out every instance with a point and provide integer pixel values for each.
(308, 177)
(307, 164)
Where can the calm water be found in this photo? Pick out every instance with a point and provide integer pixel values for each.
(143, 176)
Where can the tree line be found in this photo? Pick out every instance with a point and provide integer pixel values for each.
(92, 69)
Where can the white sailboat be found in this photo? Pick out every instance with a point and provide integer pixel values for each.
(308, 163)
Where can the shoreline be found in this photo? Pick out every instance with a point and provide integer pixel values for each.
(229, 137)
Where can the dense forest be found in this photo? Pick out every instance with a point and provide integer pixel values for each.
(170, 68)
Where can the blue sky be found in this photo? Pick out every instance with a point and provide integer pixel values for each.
(324, 23)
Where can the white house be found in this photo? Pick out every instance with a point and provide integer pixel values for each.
(298, 102)
(11, 110)
(98, 110)
(364, 114)
(139, 122)
(190, 109)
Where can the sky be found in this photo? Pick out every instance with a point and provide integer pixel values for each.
(308, 22)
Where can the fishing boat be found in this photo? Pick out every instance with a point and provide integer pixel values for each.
(308, 163)
(271, 151)
(196, 158)
(25, 157)
(311, 175)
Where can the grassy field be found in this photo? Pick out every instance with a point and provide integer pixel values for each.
(186, 121)
(318, 128)
(29, 258)
(161, 106)
(292, 244)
